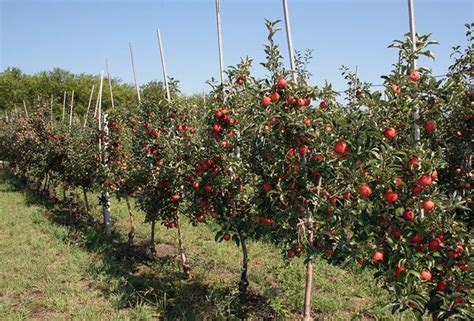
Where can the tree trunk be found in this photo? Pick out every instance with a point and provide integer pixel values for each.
(244, 282)
(309, 264)
(86, 200)
(152, 239)
(309, 270)
(106, 213)
(131, 233)
(184, 264)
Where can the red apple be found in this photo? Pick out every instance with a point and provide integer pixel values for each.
(341, 147)
(377, 256)
(227, 236)
(274, 97)
(415, 75)
(390, 132)
(266, 101)
(428, 205)
(408, 215)
(429, 126)
(365, 191)
(425, 180)
(391, 196)
(426, 275)
(441, 285)
(435, 244)
(281, 83)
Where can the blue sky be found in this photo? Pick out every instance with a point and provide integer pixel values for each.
(80, 35)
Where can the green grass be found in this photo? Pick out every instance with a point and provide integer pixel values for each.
(56, 264)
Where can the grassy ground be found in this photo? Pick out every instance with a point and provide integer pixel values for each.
(56, 264)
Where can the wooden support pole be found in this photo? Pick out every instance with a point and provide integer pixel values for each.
(219, 40)
(416, 112)
(64, 107)
(163, 65)
(289, 39)
(51, 109)
(110, 83)
(26, 110)
(88, 106)
(71, 110)
(134, 72)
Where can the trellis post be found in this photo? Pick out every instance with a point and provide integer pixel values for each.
(291, 52)
(134, 72)
(163, 65)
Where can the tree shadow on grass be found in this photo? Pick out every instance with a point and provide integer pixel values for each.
(128, 274)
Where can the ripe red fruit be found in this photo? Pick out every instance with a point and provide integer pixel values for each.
(390, 132)
(291, 253)
(281, 83)
(434, 175)
(274, 97)
(417, 190)
(426, 275)
(216, 128)
(341, 147)
(459, 249)
(201, 218)
(408, 215)
(413, 162)
(435, 244)
(399, 269)
(300, 102)
(429, 126)
(266, 101)
(347, 195)
(307, 121)
(398, 182)
(208, 188)
(175, 197)
(391, 196)
(303, 150)
(415, 75)
(307, 101)
(227, 236)
(441, 285)
(323, 104)
(416, 239)
(428, 205)
(365, 191)
(240, 81)
(291, 152)
(396, 90)
(459, 299)
(463, 266)
(195, 184)
(218, 113)
(267, 187)
(377, 256)
(266, 220)
(425, 180)
(396, 233)
(291, 100)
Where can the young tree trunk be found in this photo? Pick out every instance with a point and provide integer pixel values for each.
(309, 270)
(86, 200)
(309, 264)
(186, 267)
(131, 233)
(244, 282)
(64, 194)
(106, 213)
(152, 239)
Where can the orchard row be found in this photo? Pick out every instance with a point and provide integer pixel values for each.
(281, 160)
